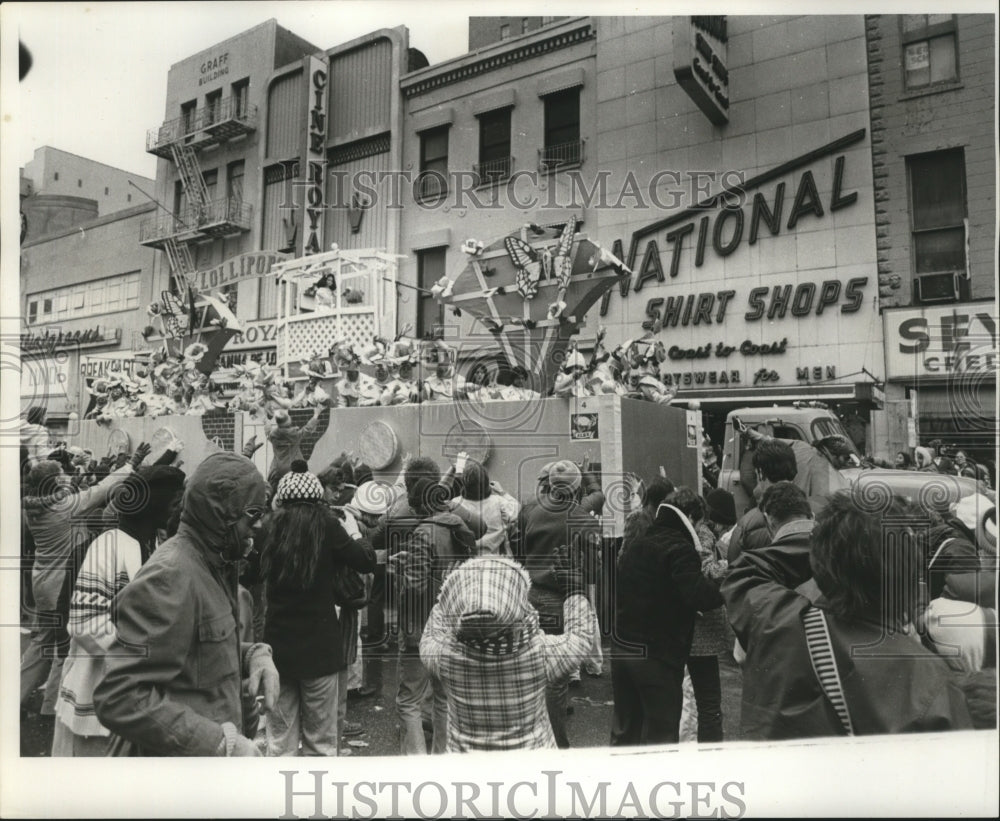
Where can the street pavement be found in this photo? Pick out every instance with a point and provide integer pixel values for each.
(589, 725)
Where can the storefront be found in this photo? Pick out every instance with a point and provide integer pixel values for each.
(946, 359)
(53, 371)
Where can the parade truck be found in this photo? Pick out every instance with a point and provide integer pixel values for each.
(811, 422)
(518, 302)
(619, 440)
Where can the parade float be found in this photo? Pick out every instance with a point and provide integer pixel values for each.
(483, 386)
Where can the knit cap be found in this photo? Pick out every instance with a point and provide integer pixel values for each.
(299, 485)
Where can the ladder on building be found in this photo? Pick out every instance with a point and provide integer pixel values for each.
(191, 177)
(179, 257)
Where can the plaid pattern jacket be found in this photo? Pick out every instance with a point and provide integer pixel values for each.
(483, 642)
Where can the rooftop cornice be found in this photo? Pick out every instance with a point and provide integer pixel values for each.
(565, 34)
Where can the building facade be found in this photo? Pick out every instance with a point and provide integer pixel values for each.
(768, 294)
(261, 132)
(489, 141)
(933, 120)
(84, 293)
(53, 172)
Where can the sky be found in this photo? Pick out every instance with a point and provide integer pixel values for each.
(99, 75)
(98, 80)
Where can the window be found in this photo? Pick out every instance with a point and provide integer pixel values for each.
(524, 25)
(56, 176)
(430, 268)
(241, 98)
(433, 180)
(213, 104)
(234, 180)
(562, 129)
(129, 198)
(97, 297)
(188, 116)
(938, 214)
(494, 146)
(105, 190)
(504, 32)
(79, 183)
(929, 50)
(211, 183)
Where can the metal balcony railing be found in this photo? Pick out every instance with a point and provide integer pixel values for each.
(563, 154)
(493, 171)
(218, 218)
(223, 120)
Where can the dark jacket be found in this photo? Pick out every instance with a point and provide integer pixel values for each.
(547, 523)
(438, 544)
(750, 533)
(899, 687)
(660, 589)
(174, 674)
(302, 625)
(395, 527)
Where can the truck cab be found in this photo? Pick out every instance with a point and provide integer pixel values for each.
(810, 422)
(806, 421)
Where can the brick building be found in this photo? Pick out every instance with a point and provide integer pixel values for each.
(933, 121)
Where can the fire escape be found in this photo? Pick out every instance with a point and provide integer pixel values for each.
(202, 218)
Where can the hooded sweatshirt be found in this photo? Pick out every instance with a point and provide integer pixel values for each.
(483, 642)
(174, 673)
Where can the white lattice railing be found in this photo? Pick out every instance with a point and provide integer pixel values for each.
(363, 302)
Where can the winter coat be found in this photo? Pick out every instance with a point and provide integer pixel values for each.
(899, 687)
(438, 544)
(174, 674)
(302, 625)
(660, 588)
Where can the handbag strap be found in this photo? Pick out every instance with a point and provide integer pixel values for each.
(825, 663)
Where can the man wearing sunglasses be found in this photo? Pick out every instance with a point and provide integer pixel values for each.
(173, 680)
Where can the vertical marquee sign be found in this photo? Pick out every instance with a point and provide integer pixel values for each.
(700, 57)
(314, 166)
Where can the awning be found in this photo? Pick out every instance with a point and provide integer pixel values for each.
(862, 392)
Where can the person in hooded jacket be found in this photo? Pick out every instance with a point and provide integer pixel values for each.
(483, 642)
(660, 589)
(174, 675)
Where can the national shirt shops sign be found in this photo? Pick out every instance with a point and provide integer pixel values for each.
(769, 285)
